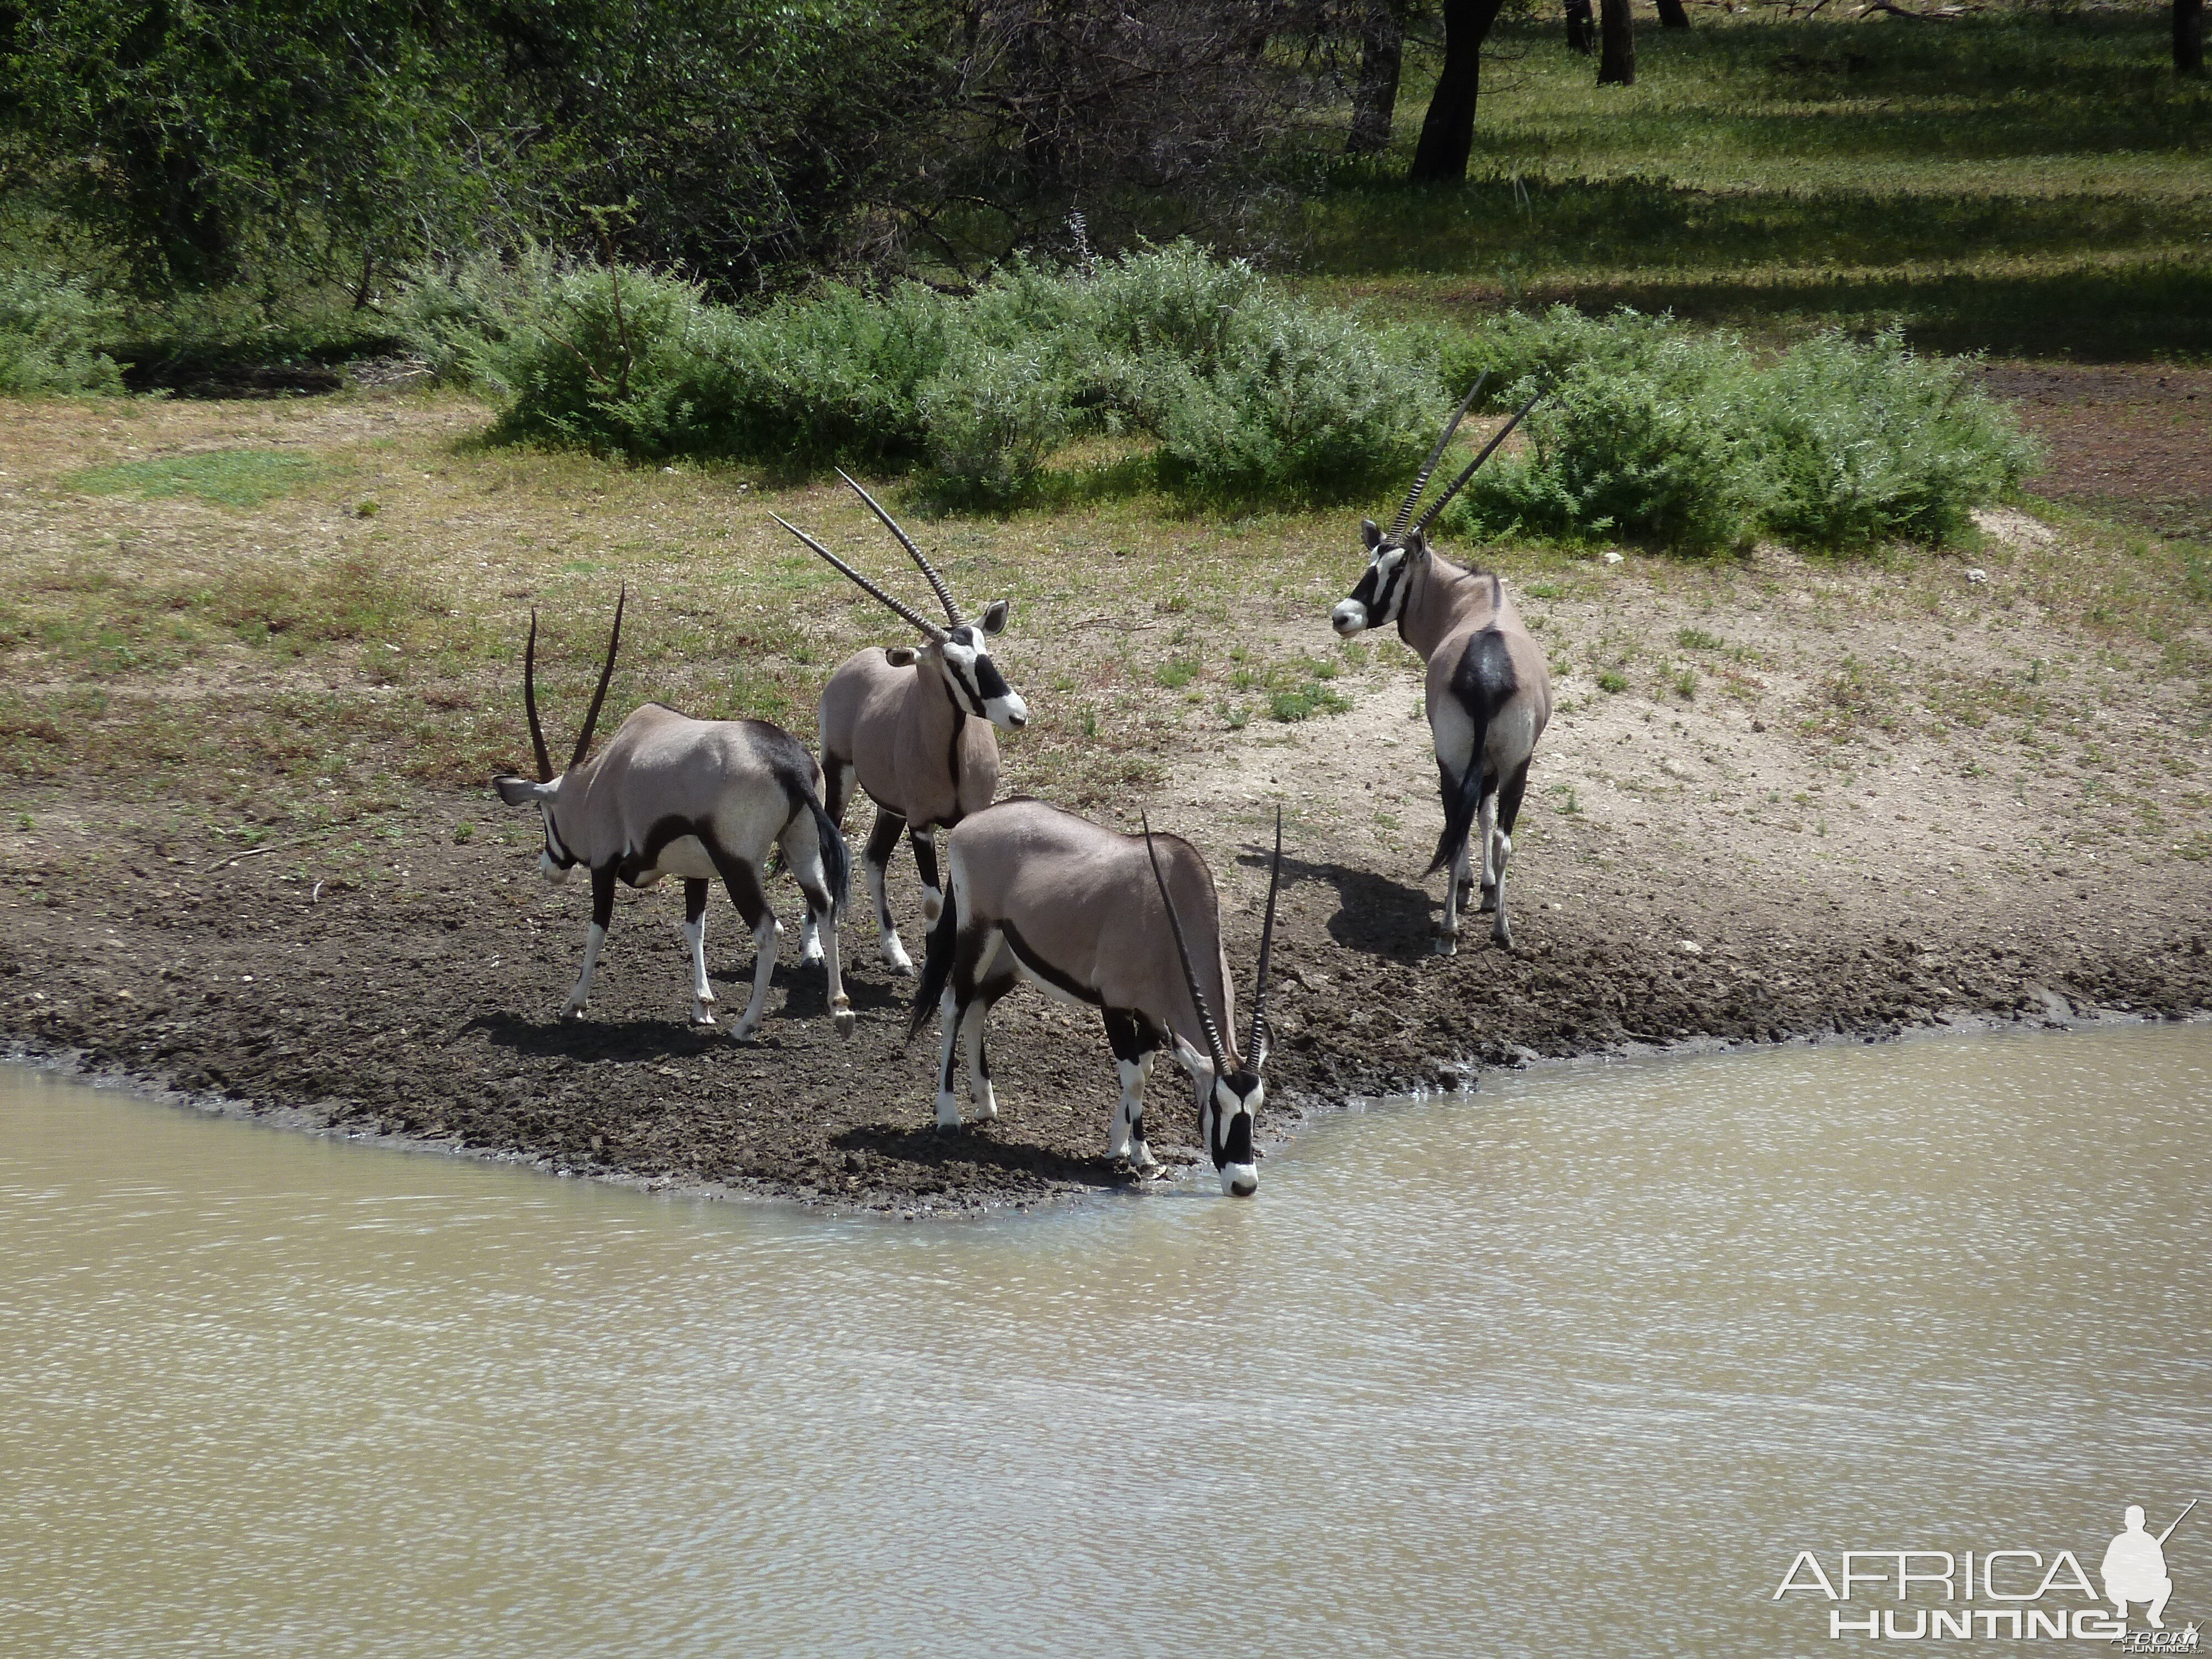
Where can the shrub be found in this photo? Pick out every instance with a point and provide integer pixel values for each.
(51, 331)
(1866, 442)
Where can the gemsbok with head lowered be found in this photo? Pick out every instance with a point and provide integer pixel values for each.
(1128, 925)
(704, 800)
(917, 727)
(1489, 691)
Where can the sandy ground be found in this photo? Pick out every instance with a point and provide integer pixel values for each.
(1823, 800)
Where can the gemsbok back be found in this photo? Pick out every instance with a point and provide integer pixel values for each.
(1034, 893)
(917, 727)
(701, 799)
(1489, 691)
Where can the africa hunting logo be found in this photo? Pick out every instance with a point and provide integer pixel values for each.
(2014, 1584)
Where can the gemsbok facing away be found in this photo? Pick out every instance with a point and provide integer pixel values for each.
(1034, 893)
(917, 726)
(1489, 692)
(701, 799)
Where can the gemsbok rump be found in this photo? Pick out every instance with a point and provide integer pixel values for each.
(1489, 691)
(1034, 893)
(917, 727)
(701, 799)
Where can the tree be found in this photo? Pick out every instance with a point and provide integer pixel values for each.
(1374, 95)
(1671, 16)
(1448, 132)
(2189, 37)
(1581, 32)
(1616, 62)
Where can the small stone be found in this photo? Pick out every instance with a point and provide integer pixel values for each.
(1613, 558)
(1978, 575)
(1691, 948)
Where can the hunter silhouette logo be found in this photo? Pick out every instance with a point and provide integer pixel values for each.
(2002, 1595)
(2135, 1567)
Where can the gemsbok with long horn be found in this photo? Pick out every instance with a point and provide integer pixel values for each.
(1489, 691)
(704, 800)
(918, 727)
(1034, 893)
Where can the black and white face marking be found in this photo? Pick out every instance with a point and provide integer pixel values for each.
(1381, 594)
(976, 684)
(1226, 1112)
(555, 860)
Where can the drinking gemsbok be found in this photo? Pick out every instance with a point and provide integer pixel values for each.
(1034, 893)
(1489, 692)
(916, 728)
(701, 799)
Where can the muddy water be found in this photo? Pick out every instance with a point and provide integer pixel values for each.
(1575, 1364)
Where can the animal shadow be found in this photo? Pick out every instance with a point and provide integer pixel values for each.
(1375, 915)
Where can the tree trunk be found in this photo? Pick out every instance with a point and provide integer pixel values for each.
(1671, 16)
(1374, 100)
(1447, 132)
(2189, 37)
(1581, 32)
(1616, 62)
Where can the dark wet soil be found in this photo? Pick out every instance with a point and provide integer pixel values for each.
(421, 1004)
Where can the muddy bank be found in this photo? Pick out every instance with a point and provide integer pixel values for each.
(421, 1004)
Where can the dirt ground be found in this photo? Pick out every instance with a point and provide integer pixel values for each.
(1778, 799)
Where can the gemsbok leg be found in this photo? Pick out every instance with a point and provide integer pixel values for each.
(978, 981)
(802, 856)
(924, 842)
(602, 915)
(1134, 1047)
(1497, 846)
(695, 935)
(882, 840)
(744, 884)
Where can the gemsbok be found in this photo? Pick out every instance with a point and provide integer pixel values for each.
(701, 799)
(917, 726)
(1489, 691)
(1034, 893)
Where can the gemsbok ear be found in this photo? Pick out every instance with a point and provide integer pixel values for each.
(901, 656)
(994, 619)
(521, 791)
(1372, 533)
(1200, 1068)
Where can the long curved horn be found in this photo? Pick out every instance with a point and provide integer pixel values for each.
(943, 596)
(1182, 950)
(1473, 466)
(1256, 1050)
(600, 696)
(1421, 483)
(915, 617)
(530, 700)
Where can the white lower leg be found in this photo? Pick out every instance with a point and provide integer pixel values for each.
(1486, 818)
(702, 993)
(1447, 939)
(1126, 1139)
(840, 1005)
(971, 1038)
(765, 938)
(1500, 929)
(948, 1025)
(582, 993)
(810, 942)
(894, 953)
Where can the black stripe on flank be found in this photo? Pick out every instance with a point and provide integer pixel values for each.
(1045, 971)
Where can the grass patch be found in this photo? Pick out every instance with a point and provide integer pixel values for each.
(229, 477)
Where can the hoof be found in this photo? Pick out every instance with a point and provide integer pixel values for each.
(899, 963)
(811, 955)
(741, 1032)
(573, 1012)
(987, 1109)
(1502, 938)
(844, 1019)
(701, 1016)
(1489, 898)
(1443, 944)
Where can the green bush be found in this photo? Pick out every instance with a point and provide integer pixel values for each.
(51, 332)
(1244, 389)
(1867, 442)
(1654, 431)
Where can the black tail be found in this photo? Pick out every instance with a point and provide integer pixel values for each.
(937, 960)
(836, 858)
(1460, 806)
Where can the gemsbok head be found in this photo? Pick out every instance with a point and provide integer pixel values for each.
(704, 800)
(1128, 925)
(1489, 689)
(916, 726)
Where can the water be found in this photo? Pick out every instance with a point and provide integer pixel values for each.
(1578, 1364)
